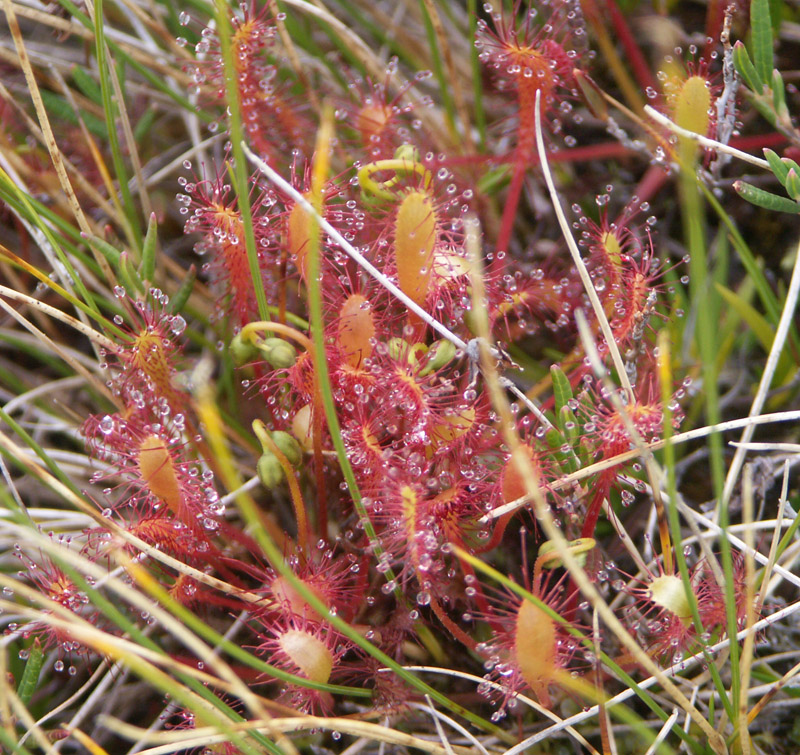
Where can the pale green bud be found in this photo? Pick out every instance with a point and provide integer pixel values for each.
(269, 470)
(242, 351)
(279, 353)
(288, 446)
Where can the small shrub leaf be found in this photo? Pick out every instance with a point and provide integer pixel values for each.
(746, 69)
(761, 30)
(765, 199)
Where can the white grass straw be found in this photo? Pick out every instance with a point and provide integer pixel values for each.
(700, 432)
(580, 266)
(704, 140)
(662, 734)
(787, 317)
(439, 716)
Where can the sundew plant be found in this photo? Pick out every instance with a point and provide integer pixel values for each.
(380, 377)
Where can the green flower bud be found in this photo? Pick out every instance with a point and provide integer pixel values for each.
(407, 152)
(279, 353)
(242, 351)
(288, 446)
(269, 470)
(439, 354)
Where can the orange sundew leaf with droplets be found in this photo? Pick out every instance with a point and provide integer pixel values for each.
(415, 237)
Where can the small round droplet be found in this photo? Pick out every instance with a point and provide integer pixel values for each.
(107, 425)
(177, 325)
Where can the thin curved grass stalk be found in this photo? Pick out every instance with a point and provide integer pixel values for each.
(200, 736)
(439, 716)
(781, 334)
(663, 732)
(704, 141)
(439, 729)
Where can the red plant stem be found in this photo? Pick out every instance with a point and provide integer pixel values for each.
(715, 16)
(593, 511)
(454, 629)
(303, 527)
(639, 64)
(521, 161)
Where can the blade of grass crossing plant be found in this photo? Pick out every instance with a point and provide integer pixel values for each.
(109, 108)
(239, 167)
(147, 268)
(761, 39)
(30, 677)
(477, 74)
(430, 19)
(562, 390)
(181, 296)
(318, 178)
